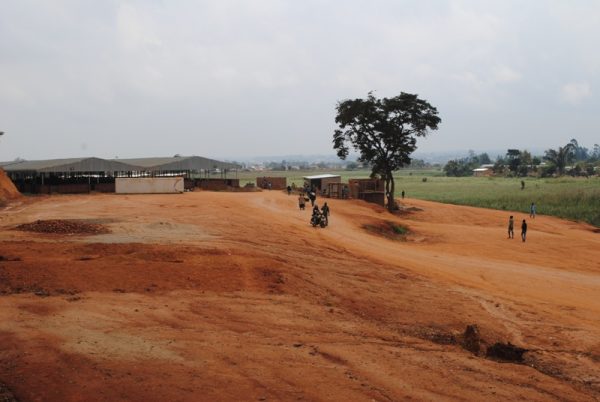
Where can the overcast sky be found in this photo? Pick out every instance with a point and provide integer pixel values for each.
(227, 78)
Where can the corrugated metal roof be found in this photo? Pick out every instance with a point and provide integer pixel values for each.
(148, 162)
(321, 176)
(179, 163)
(90, 164)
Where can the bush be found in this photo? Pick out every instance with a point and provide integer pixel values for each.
(398, 229)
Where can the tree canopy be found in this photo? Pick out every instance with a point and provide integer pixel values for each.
(561, 157)
(464, 166)
(384, 132)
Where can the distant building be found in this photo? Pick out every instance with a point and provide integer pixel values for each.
(483, 171)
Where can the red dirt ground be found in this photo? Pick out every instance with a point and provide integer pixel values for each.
(234, 296)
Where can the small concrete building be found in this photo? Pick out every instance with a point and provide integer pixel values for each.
(483, 171)
(321, 182)
(370, 190)
(149, 185)
(272, 183)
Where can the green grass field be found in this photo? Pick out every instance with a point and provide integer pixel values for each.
(567, 197)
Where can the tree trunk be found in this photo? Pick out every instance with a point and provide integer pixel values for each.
(392, 191)
(389, 191)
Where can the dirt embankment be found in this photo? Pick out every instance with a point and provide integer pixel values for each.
(8, 191)
(217, 296)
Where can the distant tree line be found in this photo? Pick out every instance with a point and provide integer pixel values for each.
(464, 166)
(571, 159)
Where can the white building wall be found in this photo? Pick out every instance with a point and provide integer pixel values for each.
(148, 185)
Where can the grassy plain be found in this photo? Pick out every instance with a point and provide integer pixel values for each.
(567, 197)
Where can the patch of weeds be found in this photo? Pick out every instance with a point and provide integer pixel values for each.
(390, 230)
(398, 229)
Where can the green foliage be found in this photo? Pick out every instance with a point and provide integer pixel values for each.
(565, 197)
(352, 166)
(460, 167)
(560, 157)
(390, 230)
(398, 229)
(464, 166)
(513, 157)
(579, 153)
(383, 131)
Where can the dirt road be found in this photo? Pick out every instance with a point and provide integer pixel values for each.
(234, 296)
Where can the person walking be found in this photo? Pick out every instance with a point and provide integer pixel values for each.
(313, 197)
(402, 194)
(344, 192)
(301, 201)
(511, 228)
(325, 211)
(289, 190)
(532, 211)
(523, 230)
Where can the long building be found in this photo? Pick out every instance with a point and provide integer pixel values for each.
(77, 175)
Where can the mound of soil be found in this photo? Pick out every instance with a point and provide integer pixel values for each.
(8, 191)
(61, 226)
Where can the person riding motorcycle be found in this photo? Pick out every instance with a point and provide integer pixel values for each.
(318, 218)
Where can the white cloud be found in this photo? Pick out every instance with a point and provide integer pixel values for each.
(505, 74)
(135, 28)
(575, 92)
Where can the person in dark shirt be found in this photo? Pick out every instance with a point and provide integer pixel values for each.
(325, 211)
(524, 230)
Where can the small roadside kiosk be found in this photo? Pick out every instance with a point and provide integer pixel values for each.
(321, 182)
(370, 190)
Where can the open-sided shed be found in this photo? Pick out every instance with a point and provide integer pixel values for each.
(72, 175)
(79, 175)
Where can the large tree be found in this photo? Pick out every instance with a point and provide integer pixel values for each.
(560, 157)
(384, 132)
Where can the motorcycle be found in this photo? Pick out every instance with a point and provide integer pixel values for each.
(318, 219)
